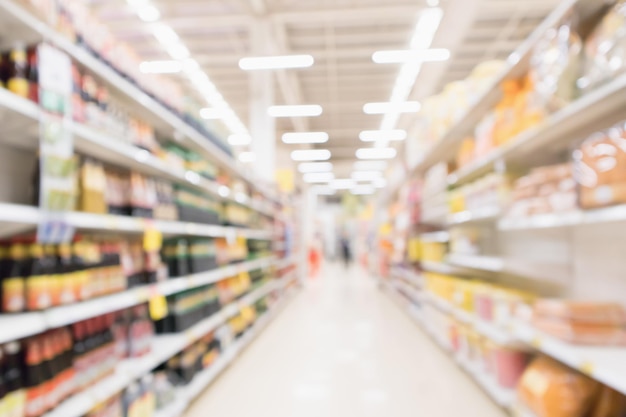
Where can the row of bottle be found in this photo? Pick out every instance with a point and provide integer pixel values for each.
(37, 374)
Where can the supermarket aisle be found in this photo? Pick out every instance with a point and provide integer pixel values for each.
(342, 348)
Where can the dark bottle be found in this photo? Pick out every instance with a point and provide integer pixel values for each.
(34, 378)
(48, 367)
(33, 74)
(13, 287)
(66, 270)
(14, 379)
(18, 71)
(38, 285)
(52, 267)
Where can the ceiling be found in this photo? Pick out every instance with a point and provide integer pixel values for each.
(341, 35)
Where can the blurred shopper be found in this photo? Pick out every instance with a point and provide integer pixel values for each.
(346, 251)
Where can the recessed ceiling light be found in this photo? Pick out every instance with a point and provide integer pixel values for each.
(376, 153)
(241, 139)
(305, 137)
(342, 184)
(390, 107)
(309, 167)
(318, 177)
(366, 175)
(411, 55)
(247, 157)
(363, 190)
(161, 67)
(276, 62)
(389, 135)
(370, 165)
(148, 13)
(379, 183)
(311, 155)
(307, 110)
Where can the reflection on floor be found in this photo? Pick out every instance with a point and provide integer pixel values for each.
(343, 349)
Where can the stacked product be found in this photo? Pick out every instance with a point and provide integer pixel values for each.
(189, 256)
(183, 368)
(489, 192)
(549, 189)
(188, 308)
(195, 207)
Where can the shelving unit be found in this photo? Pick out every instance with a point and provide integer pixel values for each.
(163, 348)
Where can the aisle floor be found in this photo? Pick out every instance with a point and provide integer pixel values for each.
(342, 348)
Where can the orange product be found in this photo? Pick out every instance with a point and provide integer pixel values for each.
(582, 334)
(551, 389)
(582, 312)
(610, 404)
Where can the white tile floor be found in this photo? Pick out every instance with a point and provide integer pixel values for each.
(343, 349)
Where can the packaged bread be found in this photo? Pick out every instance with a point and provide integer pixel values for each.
(610, 403)
(607, 314)
(602, 158)
(602, 196)
(580, 333)
(551, 389)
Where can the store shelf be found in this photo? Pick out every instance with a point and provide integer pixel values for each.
(24, 113)
(481, 263)
(27, 27)
(408, 275)
(439, 237)
(187, 394)
(615, 214)
(18, 326)
(287, 262)
(605, 364)
(439, 268)
(31, 216)
(594, 111)
(484, 215)
(163, 348)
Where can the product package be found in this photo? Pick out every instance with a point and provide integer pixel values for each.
(551, 389)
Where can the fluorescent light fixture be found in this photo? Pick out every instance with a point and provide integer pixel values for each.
(239, 139)
(276, 62)
(363, 190)
(309, 167)
(376, 153)
(161, 67)
(379, 183)
(411, 55)
(247, 157)
(366, 175)
(370, 165)
(392, 107)
(314, 177)
(178, 51)
(376, 135)
(307, 110)
(342, 184)
(192, 177)
(223, 191)
(311, 155)
(423, 36)
(305, 137)
(148, 13)
(213, 113)
(322, 190)
(165, 34)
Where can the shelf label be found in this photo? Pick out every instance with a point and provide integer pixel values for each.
(536, 342)
(152, 239)
(158, 307)
(587, 368)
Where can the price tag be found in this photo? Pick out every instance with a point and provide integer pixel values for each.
(587, 368)
(152, 239)
(536, 343)
(158, 307)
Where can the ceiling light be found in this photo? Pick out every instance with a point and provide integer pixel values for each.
(370, 165)
(432, 3)
(178, 51)
(276, 62)
(379, 183)
(322, 190)
(342, 184)
(305, 137)
(376, 153)
(366, 175)
(389, 135)
(160, 67)
(148, 13)
(318, 177)
(214, 114)
(309, 167)
(239, 139)
(387, 108)
(312, 110)
(311, 155)
(247, 157)
(164, 34)
(363, 190)
(411, 55)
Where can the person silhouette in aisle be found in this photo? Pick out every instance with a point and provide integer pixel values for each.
(346, 251)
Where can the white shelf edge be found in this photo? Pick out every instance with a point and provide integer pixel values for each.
(476, 216)
(163, 348)
(613, 214)
(436, 237)
(481, 263)
(30, 215)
